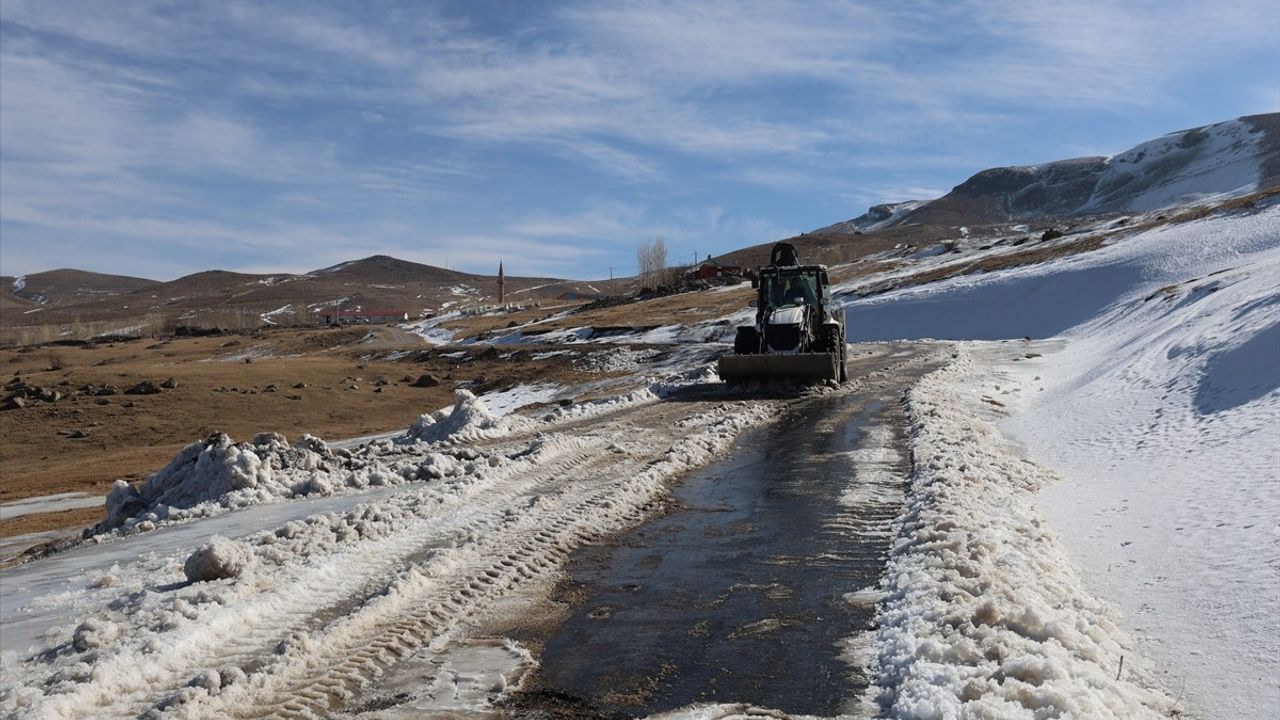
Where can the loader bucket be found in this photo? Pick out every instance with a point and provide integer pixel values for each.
(803, 366)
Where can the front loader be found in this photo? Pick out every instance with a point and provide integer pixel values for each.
(799, 332)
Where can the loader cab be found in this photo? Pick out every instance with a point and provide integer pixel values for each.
(779, 287)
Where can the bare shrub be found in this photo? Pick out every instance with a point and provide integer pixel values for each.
(651, 257)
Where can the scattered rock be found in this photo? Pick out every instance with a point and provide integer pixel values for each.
(299, 386)
(102, 401)
(378, 389)
(426, 380)
(271, 388)
(14, 403)
(248, 361)
(106, 390)
(78, 434)
(146, 387)
(169, 384)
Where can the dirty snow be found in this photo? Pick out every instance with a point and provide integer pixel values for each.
(468, 419)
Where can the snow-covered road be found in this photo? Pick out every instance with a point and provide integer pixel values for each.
(323, 595)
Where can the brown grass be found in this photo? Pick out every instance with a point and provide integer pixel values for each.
(131, 442)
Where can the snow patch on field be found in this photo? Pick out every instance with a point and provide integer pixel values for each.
(430, 330)
(504, 402)
(622, 359)
(983, 613)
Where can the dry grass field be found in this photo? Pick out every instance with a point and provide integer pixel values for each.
(351, 389)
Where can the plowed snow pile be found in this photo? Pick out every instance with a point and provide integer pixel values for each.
(216, 475)
(983, 614)
(1159, 406)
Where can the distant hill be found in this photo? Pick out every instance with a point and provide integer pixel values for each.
(231, 299)
(1225, 159)
(64, 286)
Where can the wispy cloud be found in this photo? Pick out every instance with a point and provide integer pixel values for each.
(240, 133)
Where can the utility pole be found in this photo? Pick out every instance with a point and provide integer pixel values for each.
(502, 284)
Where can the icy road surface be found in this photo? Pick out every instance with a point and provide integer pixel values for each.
(753, 589)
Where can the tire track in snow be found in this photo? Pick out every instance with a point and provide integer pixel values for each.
(332, 614)
(325, 590)
(446, 592)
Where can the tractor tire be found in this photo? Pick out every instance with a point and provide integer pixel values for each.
(833, 342)
(746, 342)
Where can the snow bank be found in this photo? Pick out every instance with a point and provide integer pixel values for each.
(1162, 413)
(468, 419)
(228, 474)
(983, 613)
(1158, 404)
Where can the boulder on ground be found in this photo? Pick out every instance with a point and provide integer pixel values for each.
(426, 380)
(169, 384)
(146, 387)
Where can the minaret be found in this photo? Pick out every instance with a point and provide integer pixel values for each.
(502, 285)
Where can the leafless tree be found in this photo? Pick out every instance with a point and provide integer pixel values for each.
(652, 260)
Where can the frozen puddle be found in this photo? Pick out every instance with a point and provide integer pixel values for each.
(49, 503)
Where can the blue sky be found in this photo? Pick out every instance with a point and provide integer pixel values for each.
(159, 139)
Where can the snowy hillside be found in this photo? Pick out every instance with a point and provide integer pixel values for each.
(1157, 401)
(1216, 161)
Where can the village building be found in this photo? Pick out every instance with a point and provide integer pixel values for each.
(363, 317)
